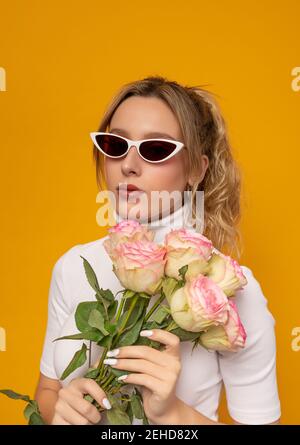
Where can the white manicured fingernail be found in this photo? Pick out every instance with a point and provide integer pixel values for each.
(113, 353)
(106, 403)
(110, 361)
(146, 333)
(122, 377)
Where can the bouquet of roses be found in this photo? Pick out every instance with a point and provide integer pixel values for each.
(195, 281)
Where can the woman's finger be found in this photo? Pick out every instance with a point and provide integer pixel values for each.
(140, 365)
(171, 341)
(69, 414)
(58, 420)
(83, 407)
(89, 386)
(143, 380)
(142, 352)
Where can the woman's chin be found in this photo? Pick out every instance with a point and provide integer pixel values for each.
(134, 211)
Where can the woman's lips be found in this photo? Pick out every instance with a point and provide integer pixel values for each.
(126, 193)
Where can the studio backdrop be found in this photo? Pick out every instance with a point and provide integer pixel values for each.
(60, 64)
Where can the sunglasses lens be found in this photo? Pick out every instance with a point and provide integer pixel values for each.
(112, 145)
(156, 150)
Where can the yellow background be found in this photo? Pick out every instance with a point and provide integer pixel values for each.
(63, 62)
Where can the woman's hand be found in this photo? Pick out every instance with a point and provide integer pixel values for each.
(72, 409)
(156, 371)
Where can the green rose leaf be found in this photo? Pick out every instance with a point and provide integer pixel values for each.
(96, 320)
(14, 395)
(105, 303)
(36, 419)
(93, 334)
(161, 313)
(110, 327)
(185, 335)
(106, 342)
(137, 408)
(145, 420)
(90, 274)
(129, 337)
(112, 310)
(138, 310)
(32, 414)
(78, 360)
(82, 314)
(92, 373)
(129, 412)
(116, 416)
(106, 294)
(182, 271)
(29, 409)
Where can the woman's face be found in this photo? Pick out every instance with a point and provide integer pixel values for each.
(141, 118)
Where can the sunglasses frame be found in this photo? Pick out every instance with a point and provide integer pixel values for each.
(179, 146)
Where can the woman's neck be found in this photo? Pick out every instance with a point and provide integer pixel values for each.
(177, 219)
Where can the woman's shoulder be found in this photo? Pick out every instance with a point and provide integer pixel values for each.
(69, 283)
(71, 260)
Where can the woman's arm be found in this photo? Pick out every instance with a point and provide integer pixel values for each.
(46, 396)
(66, 406)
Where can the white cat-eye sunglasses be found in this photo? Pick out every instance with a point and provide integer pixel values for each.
(151, 150)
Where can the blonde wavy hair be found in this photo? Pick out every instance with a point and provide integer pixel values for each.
(204, 132)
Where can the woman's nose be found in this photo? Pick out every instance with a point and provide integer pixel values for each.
(131, 162)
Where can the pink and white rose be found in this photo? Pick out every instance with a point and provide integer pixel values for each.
(200, 303)
(187, 248)
(228, 337)
(124, 231)
(139, 265)
(226, 272)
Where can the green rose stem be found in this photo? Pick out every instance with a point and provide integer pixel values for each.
(171, 326)
(133, 303)
(105, 384)
(108, 380)
(148, 315)
(155, 306)
(100, 365)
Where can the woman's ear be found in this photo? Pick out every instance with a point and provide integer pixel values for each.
(199, 178)
(205, 164)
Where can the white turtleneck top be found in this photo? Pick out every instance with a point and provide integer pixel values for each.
(248, 376)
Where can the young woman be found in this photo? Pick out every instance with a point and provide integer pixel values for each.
(178, 386)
